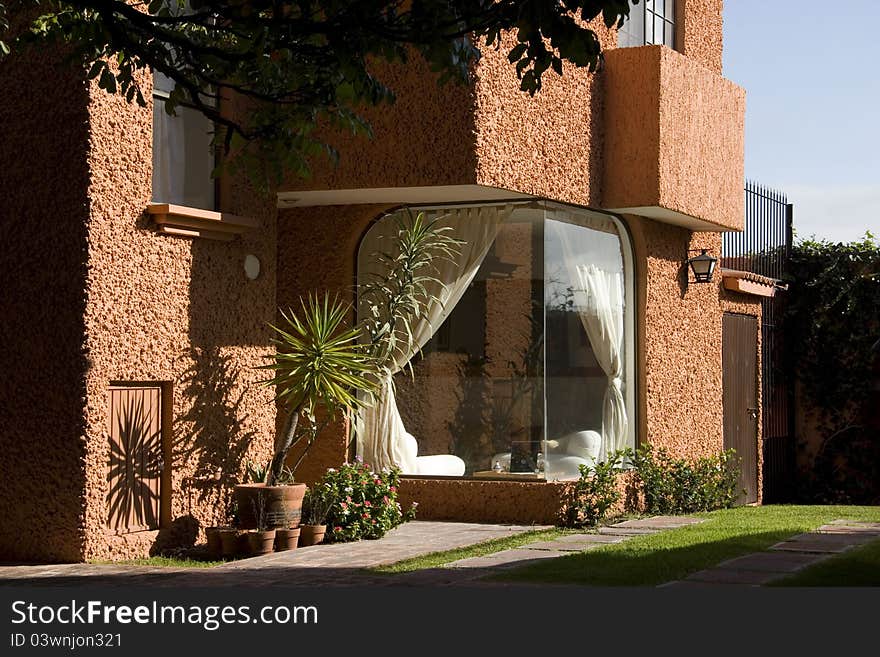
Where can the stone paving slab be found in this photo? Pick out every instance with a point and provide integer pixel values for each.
(856, 523)
(409, 540)
(660, 522)
(867, 529)
(569, 547)
(812, 545)
(732, 576)
(576, 543)
(626, 531)
(776, 562)
(513, 558)
(787, 556)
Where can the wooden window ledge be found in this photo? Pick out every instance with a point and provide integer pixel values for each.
(182, 221)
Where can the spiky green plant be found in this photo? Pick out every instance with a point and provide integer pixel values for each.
(393, 300)
(318, 368)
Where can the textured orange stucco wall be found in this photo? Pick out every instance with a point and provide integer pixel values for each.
(483, 501)
(178, 310)
(700, 31)
(680, 330)
(549, 145)
(43, 187)
(675, 136)
(426, 137)
(95, 296)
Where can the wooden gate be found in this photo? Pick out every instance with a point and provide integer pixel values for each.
(740, 391)
(136, 462)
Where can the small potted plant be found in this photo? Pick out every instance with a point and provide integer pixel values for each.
(286, 538)
(228, 536)
(213, 534)
(262, 539)
(316, 505)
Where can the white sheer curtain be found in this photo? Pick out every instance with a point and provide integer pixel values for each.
(382, 438)
(169, 155)
(599, 302)
(602, 317)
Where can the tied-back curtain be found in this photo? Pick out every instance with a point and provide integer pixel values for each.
(602, 317)
(381, 432)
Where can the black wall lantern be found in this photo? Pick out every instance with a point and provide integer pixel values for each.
(703, 266)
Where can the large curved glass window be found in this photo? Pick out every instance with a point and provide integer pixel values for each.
(527, 372)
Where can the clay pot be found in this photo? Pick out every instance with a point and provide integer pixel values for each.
(311, 534)
(229, 541)
(212, 537)
(260, 541)
(282, 505)
(286, 539)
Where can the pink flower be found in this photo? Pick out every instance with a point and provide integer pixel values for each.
(343, 505)
(367, 503)
(385, 499)
(337, 529)
(392, 489)
(366, 515)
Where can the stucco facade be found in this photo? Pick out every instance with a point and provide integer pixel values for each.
(100, 297)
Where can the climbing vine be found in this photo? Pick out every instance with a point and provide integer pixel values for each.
(832, 329)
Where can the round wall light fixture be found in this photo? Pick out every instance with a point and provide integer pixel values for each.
(251, 267)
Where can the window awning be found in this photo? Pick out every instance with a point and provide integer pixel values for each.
(746, 282)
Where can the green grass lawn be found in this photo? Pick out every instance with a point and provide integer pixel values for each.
(657, 558)
(857, 567)
(163, 562)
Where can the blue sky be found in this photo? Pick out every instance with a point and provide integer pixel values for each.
(812, 78)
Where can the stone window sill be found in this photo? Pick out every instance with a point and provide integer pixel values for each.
(182, 221)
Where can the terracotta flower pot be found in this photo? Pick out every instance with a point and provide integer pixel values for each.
(229, 541)
(212, 538)
(260, 541)
(286, 539)
(282, 505)
(311, 534)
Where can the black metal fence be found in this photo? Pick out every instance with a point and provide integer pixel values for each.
(764, 247)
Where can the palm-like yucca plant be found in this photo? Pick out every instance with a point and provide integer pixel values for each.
(392, 300)
(318, 364)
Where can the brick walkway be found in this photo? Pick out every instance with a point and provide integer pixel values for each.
(346, 564)
(340, 564)
(785, 558)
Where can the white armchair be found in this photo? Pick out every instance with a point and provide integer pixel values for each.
(443, 465)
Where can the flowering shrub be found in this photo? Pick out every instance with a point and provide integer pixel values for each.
(676, 486)
(362, 503)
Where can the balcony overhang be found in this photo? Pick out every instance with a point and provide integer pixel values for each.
(672, 217)
(674, 145)
(398, 196)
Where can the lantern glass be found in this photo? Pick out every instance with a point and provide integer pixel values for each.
(703, 266)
